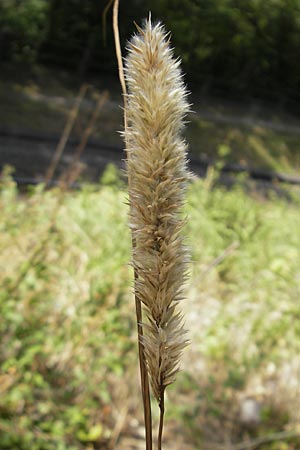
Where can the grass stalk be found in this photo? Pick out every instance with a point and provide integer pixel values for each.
(138, 305)
(161, 421)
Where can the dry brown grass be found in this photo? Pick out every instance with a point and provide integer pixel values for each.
(156, 164)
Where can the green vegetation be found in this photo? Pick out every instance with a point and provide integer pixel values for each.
(237, 48)
(68, 363)
(261, 146)
(65, 327)
(22, 28)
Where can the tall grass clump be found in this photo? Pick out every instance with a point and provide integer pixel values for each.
(156, 106)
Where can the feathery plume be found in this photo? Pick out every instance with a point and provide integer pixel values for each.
(156, 166)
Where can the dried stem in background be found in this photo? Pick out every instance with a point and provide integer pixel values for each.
(104, 15)
(68, 178)
(138, 305)
(218, 260)
(65, 134)
(256, 443)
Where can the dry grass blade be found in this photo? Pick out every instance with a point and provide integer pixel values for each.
(118, 51)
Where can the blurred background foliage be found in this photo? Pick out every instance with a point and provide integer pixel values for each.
(228, 47)
(68, 360)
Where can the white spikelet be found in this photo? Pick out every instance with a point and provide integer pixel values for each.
(156, 165)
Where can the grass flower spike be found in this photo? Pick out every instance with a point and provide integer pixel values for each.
(156, 165)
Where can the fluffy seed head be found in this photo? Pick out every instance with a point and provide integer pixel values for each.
(156, 165)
